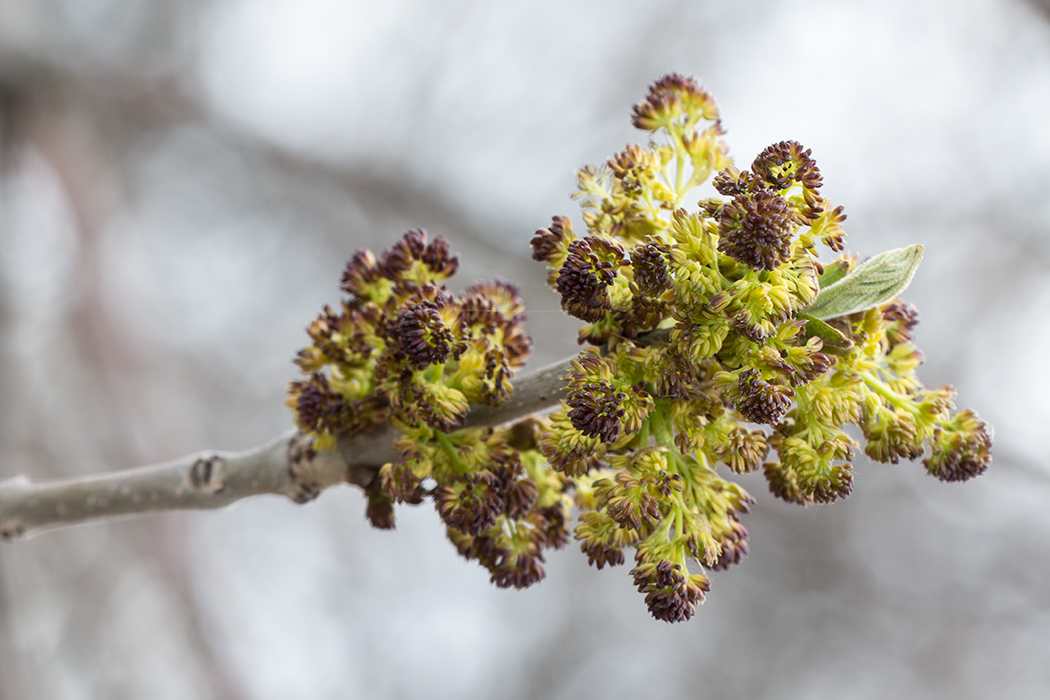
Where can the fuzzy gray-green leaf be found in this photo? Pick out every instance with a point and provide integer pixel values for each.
(873, 282)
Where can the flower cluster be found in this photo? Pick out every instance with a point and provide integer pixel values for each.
(716, 336)
(696, 312)
(501, 502)
(402, 347)
(404, 351)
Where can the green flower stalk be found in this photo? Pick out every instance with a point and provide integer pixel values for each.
(715, 334)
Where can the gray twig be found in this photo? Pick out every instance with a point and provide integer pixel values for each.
(286, 466)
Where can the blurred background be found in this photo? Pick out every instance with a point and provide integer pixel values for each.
(181, 184)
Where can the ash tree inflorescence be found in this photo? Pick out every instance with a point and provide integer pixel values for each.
(714, 336)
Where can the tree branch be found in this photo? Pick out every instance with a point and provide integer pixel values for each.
(286, 466)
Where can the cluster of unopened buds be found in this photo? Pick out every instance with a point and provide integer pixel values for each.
(714, 333)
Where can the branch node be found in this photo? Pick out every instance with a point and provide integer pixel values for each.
(312, 472)
(12, 531)
(206, 474)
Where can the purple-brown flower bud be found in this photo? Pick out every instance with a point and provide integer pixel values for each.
(783, 164)
(743, 451)
(400, 484)
(632, 167)
(630, 501)
(361, 271)
(316, 407)
(519, 570)
(398, 259)
(814, 365)
(470, 506)
(651, 273)
(446, 413)
(423, 336)
(597, 408)
(836, 483)
(319, 409)
(583, 280)
(489, 307)
(734, 547)
(670, 594)
(601, 539)
(900, 319)
(503, 296)
(554, 523)
(601, 554)
(547, 243)
(891, 438)
(670, 97)
(756, 229)
(961, 450)
(729, 182)
(783, 483)
(759, 401)
(439, 259)
(574, 461)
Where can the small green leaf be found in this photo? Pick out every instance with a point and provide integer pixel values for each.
(834, 341)
(871, 283)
